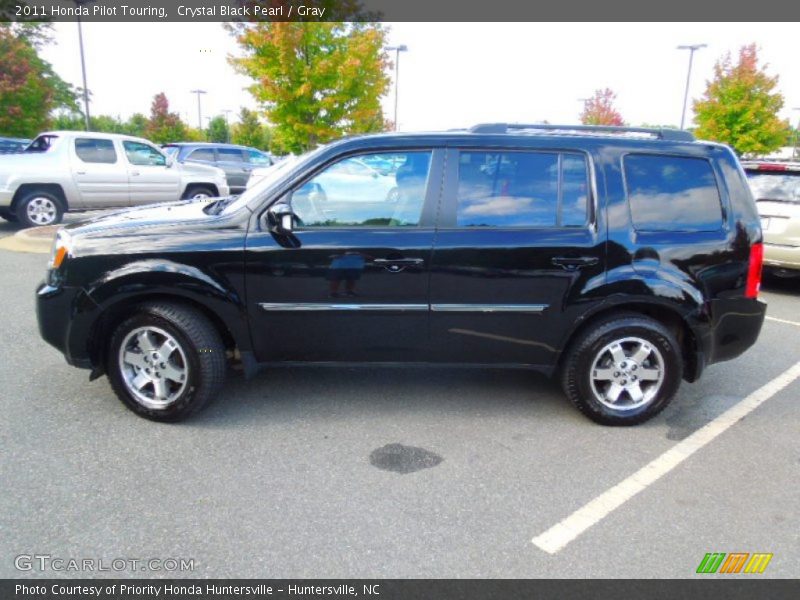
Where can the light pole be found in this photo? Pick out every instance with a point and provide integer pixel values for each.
(226, 112)
(78, 3)
(397, 51)
(692, 48)
(199, 109)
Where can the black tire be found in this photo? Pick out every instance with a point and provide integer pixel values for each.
(8, 215)
(199, 191)
(199, 342)
(51, 216)
(578, 372)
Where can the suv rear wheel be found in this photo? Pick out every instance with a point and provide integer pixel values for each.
(623, 370)
(166, 361)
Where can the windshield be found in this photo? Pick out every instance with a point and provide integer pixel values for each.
(271, 176)
(781, 186)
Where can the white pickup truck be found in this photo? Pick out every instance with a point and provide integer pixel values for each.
(75, 170)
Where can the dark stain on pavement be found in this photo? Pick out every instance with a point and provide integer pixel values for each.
(403, 459)
(687, 417)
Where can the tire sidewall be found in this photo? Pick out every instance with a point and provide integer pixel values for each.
(185, 404)
(192, 194)
(584, 362)
(22, 209)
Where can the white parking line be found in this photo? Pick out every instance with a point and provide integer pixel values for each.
(795, 323)
(563, 532)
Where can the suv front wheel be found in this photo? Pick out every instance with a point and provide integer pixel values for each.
(166, 361)
(623, 370)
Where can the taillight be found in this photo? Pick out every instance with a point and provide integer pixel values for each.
(754, 271)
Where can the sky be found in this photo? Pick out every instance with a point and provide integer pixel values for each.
(453, 75)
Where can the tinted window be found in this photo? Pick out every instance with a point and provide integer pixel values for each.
(669, 193)
(95, 151)
(230, 154)
(202, 154)
(781, 186)
(349, 193)
(257, 158)
(521, 189)
(143, 154)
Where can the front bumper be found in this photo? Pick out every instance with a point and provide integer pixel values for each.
(66, 316)
(782, 257)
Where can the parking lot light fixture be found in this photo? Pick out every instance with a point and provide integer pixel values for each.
(397, 50)
(199, 108)
(692, 48)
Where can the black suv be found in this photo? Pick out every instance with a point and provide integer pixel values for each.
(624, 260)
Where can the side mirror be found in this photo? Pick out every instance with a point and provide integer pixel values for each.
(280, 218)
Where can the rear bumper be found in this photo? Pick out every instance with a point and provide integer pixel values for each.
(6, 196)
(782, 257)
(735, 329)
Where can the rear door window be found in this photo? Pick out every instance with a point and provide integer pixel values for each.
(522, 189)
(672, 193)
(93, 150)
(206, 154)
(230, 155)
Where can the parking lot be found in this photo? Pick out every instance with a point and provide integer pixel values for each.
(298, 472)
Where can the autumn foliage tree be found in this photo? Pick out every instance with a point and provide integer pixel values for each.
(599, 109)
(740, 105)
(316, 81)
(164, 126)
(249, 131)
(29, 88)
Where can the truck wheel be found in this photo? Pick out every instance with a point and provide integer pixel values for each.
(39, 208)
(199, 193)
(623, 371)
(166, 361)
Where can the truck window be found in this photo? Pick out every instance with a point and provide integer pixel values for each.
(92, 150)
(672, 193)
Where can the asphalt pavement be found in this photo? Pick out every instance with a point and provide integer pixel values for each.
(411, 472)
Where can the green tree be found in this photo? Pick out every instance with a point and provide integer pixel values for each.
(164, 126)
(249, 131)
(317, 81)
(136, 125)
(218, 130)
(740, 106)
(599, 109)
(29, 88)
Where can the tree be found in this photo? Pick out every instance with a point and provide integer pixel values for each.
(599, 109)
(164, 126)
(740, 107)
(218, 130)
(136, 125)
(29, 88)
(317, 81)
(249, 131)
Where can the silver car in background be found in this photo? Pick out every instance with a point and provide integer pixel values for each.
(75, 170)
(776, 189)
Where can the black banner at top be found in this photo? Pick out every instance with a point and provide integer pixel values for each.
(397, 10)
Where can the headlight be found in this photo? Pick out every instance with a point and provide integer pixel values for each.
(61, 250)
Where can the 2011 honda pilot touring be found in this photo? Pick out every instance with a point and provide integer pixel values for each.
(623, 260)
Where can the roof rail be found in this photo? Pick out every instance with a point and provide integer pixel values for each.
(662, 133)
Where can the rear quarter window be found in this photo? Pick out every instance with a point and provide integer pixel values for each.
(672, 193)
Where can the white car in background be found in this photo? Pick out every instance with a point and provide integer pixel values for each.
(76, 170)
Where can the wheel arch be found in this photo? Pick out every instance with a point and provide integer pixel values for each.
(669, 316)
(198, 184)
(52, 188)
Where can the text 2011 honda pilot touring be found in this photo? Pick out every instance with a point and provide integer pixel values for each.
(623, 260)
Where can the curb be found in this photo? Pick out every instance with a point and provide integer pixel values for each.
(37, 240)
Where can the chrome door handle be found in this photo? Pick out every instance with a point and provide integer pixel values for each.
(570, 263)
(134, 172)
(80, 172)
(395, 265)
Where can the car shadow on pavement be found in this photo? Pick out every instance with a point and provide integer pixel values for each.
(788, 286)
(289, 395)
